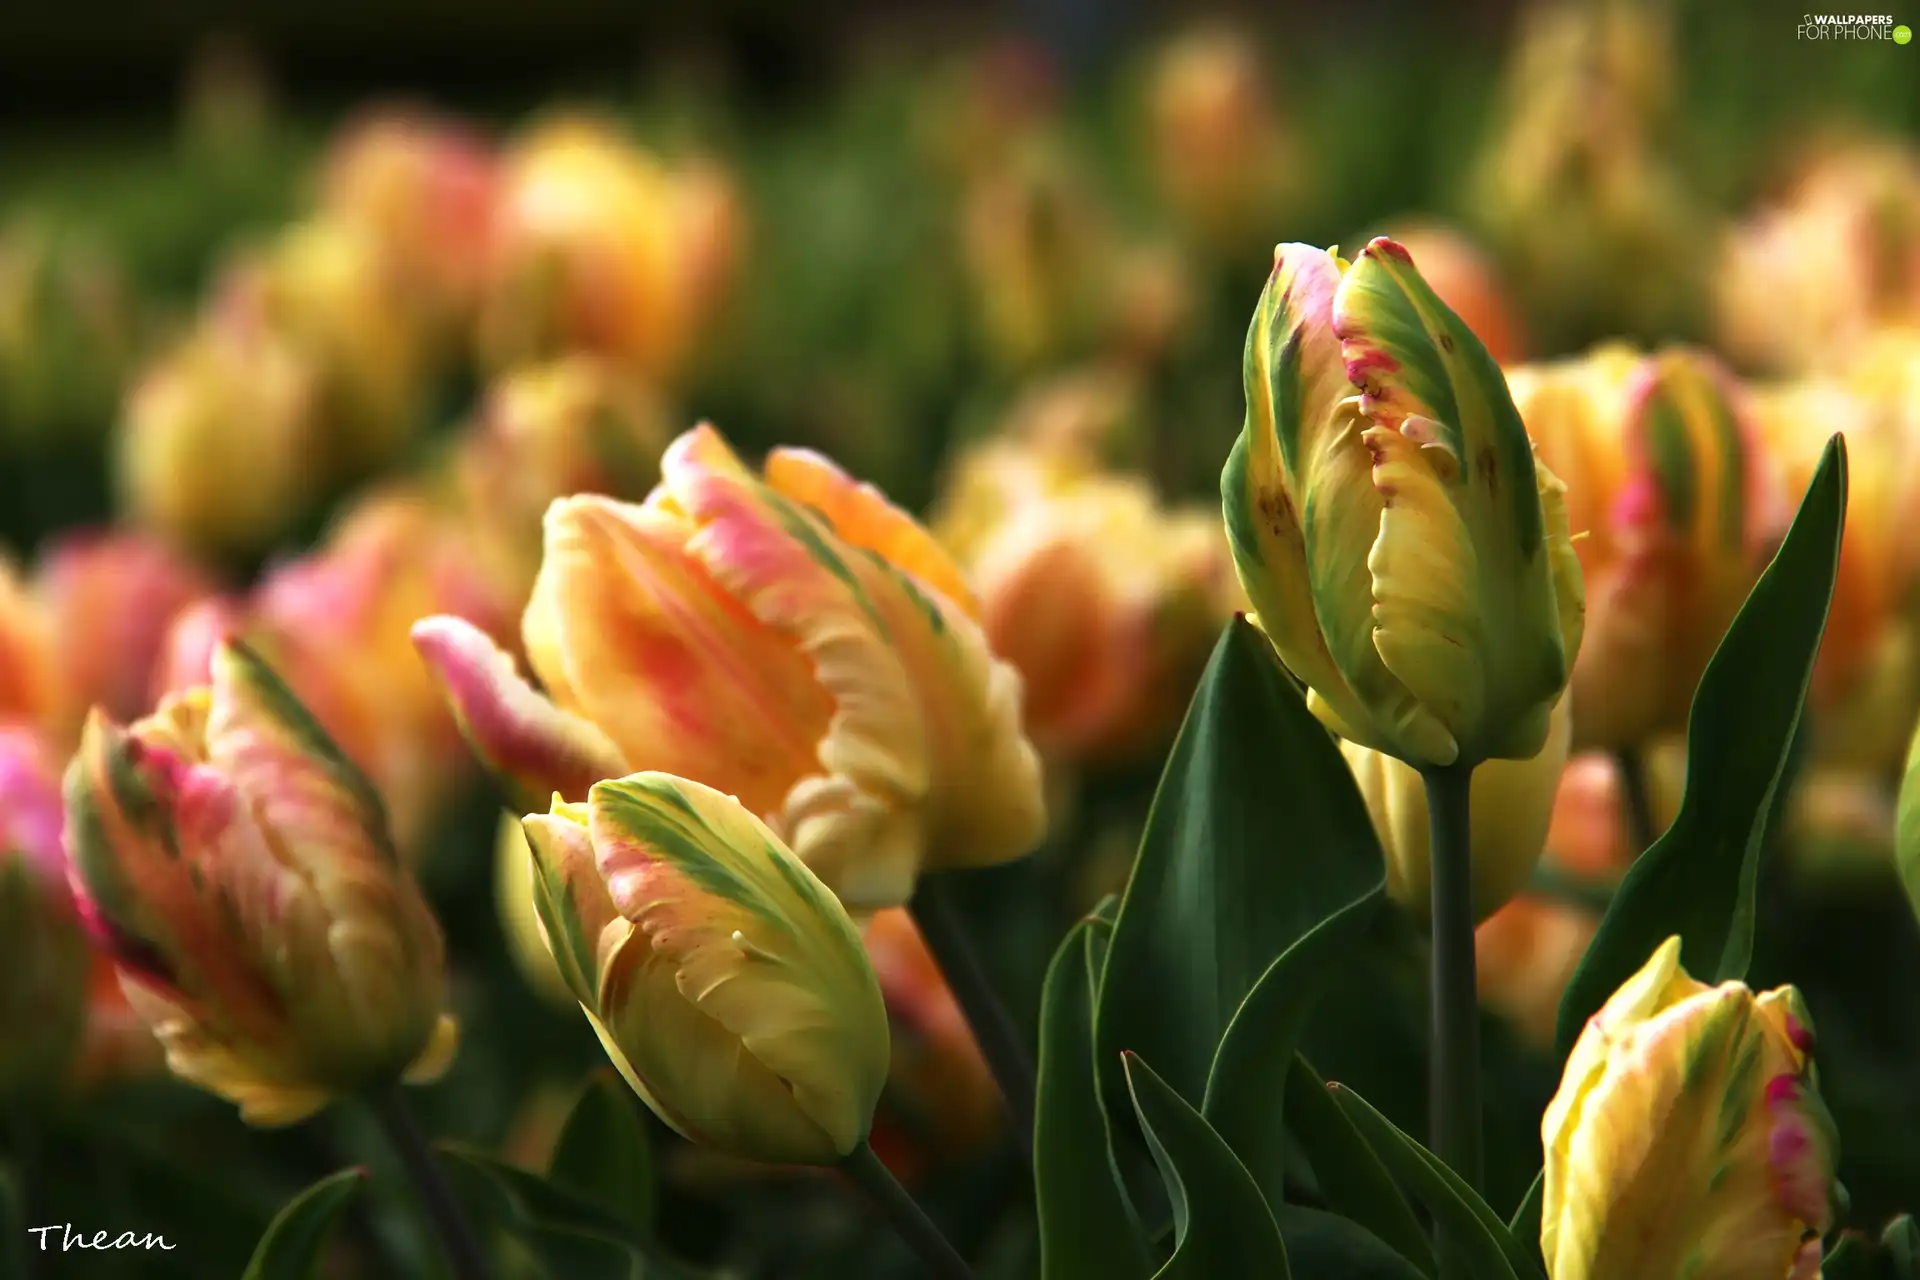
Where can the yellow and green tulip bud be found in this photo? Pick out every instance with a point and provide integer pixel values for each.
(1402, 548)
(1688, 1137)
(790, 638)
(1676, 503)
(45, 960)
(1510, 809)
(238, 869)
(726, 982)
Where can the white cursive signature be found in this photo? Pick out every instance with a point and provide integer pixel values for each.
(71, 1239)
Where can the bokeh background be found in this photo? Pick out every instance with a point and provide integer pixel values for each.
(313, 307)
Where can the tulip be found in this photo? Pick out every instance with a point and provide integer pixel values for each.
(575, 425)
(44, 955)
(1511, 805)
(1575, 180)
(218, 438)
(111, 598)
(30, 690)
(791, 639)
(1688, 1137)
(1678, 504)
(239, 870)
(725, 981)
(335, 624)
(1222, 154)
(598, 246)
(422, 189)
(1405, 553)
(1107, 604)
(939, 1077)
(1802, 282)
(328, 286)
(1528, 950)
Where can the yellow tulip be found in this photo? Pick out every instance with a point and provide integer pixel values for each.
(1688, 1137)
(790, 638)
(1402, 548)
(725, 981)
(238, 868)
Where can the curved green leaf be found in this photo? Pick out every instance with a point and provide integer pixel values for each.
(1087, 1226)
(1525, 1224)
(292, 1247)
(1221, 1223)
(603, 1153)
(1462, 1217)
(1326, 1244)
(1246, 1087)
(1698, 879)
(1257, 834)
(1352, 1179)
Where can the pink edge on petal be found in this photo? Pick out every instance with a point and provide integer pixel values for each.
(1384, 246)
(532, 747)
(1794, 1154)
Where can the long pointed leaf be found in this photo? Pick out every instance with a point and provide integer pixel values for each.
(1351, 1177)
(1087, 1226)
(1698, 879)
(291, 1248)
(1222, 1225)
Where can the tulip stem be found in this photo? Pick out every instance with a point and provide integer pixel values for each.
(1455, 1065)
(905, 1215)
(403, 1134)
(1001, 1043)
(1636, 797)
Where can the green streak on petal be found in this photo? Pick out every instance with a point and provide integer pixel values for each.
(1729, 434)
(1236, 504)
(1670, 448)
(801, 528)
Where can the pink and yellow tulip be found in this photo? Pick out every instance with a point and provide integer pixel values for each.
(239, 870)
(789, 638)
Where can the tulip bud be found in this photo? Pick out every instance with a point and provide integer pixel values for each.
(725, 981)
(1405, 553)
(600, 247)
(1221, 153)
(1510, 808)
(218, 438)
(1802, 282)
(1466, 279)
(1106, 604)
(1688, 1137)
(1678, 505)
(69, 324)
(44, 956)
(112, 599)
(239, 870)
(423, 190)
(792, 639)
(329, 288)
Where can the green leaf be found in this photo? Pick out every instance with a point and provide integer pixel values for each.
(1525, 1224)
(1351, 1177)
(292, 1247)
(1221, 1223)
(1256, 835)
(1087, 1226)
(1245, 1093)
(538, 1210)
(1326, 1244)
(1698, 879)
(1462, 1217)
(603, 1154)
(1900, 1243)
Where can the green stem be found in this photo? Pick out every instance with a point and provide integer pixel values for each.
(904, 1215)
(1636, 798)
(1455, 1067)
(456, 1234)
(1001, 1043)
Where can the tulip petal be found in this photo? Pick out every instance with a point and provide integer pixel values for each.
(576, 916)
(629, 630)
(755, 940)
(861, 516)
(1294, 381)
(530, 746)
